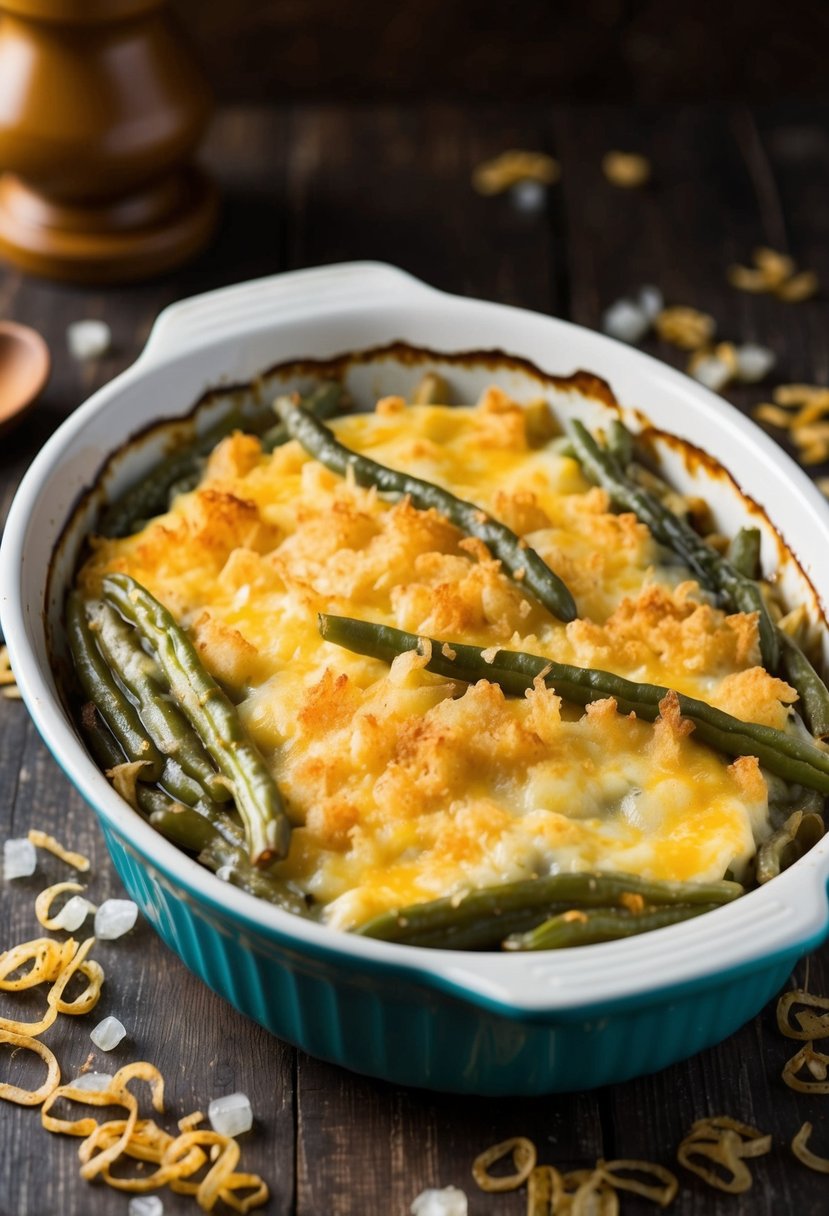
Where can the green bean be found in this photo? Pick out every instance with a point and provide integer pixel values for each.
(162, 719)
(713, 571)
(212, 715)
(109, 755)
(744, 552)
(474, 918)
(522, 562)
(813, 694)
(100, 687)
(798, 834)
(231, 865)
(620, 443)
(182, 825)
(577, 928)
(151, 495)
(794, 759)
(431, 389)
(324, 402)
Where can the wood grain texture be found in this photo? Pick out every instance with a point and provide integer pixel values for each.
(589, 51)
(311, 184)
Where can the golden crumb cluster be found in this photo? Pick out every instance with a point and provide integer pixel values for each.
(403, 786)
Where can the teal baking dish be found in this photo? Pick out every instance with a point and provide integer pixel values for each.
(456, 1021)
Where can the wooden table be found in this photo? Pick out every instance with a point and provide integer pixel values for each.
(310, 185)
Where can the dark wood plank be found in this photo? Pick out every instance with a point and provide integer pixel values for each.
(394, 184)
(368, 1147)
(593, 50)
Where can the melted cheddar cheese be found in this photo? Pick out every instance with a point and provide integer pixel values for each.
(403, 787)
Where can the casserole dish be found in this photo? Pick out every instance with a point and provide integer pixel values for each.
(475, 1023)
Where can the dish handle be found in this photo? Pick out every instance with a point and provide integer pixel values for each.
(202, 320)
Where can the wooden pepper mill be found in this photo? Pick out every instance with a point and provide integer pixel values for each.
(101, 108)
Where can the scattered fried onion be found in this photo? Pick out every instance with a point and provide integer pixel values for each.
(821, 1164)
(48, 958)
(141, 1070)
(43, 903)
(773, 415)
(209, 1190)
(725, 1142)
(593, 1195)
(684, 327)
(148, 1142)
(663, 1195)
(257, 1186)
(626, 169)
(775, 273)
(42, 840)
(801, 286)
(514, 166)
(54, 997)
(802, 410)
(178, 1158)
(190, 1121)
(815, 1062)
(523, 1158)
(545, 1191)
(91, 994)
(94, 1163)
(58, 962)
(31, 1097)
(811, 1025)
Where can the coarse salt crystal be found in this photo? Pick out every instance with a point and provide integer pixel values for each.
(88, 339)
(712, 372)
(92, 1080)
(19, 858)
(447, 1202)
(230, 1115)
(73, 913)
(145, 1205)
(754, 362)
(651, 301)
(107, 1034)
(528, 195)
(114, 918)
(626, 321)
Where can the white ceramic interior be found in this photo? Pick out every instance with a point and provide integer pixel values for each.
(229, 337)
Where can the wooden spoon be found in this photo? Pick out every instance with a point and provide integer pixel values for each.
(24, 370)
